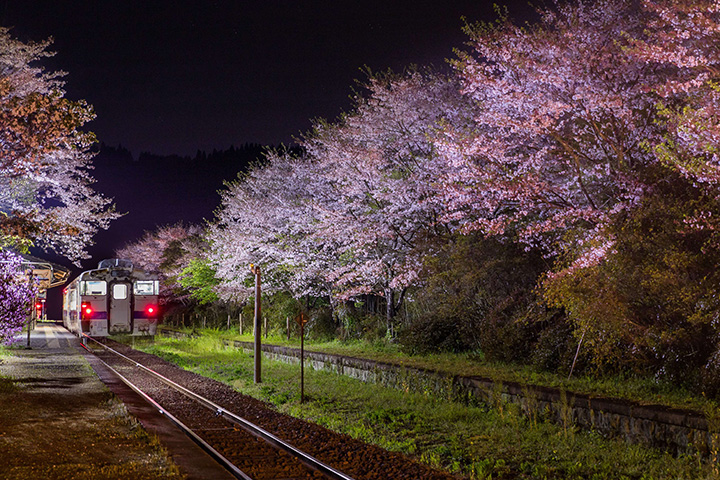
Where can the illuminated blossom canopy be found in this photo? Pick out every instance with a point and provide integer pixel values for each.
(578, 114)
(45, 187)
(546, 134)
(355, 212)
(16, 296)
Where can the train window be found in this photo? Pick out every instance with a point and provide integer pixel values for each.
(93, 287)
(120, 291)
(146, 287)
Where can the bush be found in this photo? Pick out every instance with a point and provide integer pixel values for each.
(321, 325)
(650, 306)
(434, 334)
(556, 346)
(479, 293)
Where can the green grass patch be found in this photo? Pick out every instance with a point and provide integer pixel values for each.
(477, 442)
(647, 391)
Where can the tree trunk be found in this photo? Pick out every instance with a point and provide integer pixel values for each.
(390, 311)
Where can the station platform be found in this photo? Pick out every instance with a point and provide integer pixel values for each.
(64, 415)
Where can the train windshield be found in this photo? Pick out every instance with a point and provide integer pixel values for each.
(120, 291)
(146, 287)
(93, 287)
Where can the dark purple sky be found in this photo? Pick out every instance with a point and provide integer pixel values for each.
(178, 76)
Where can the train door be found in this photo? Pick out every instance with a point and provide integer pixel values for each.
(120, 308)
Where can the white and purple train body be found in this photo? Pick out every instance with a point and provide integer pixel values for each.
(113, 299)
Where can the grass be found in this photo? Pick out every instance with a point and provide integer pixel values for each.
(647, 391)
(473, 441)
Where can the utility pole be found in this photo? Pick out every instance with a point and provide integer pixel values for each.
(258, 324)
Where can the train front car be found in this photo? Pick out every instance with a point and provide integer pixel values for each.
(113, 299)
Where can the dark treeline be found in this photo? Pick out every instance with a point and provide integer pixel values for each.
(161, 189)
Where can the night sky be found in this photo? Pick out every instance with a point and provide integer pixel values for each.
(175, 77)
(178, 76)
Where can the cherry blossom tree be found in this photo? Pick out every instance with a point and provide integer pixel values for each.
(356, 212)
(16, 296)
(565, 114)
(267, 218)
(45, 185)
(384, 168)
(167, 251)
(587, 123)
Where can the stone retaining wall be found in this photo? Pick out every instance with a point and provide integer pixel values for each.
(676, 430)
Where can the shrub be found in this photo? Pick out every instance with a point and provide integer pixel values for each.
(478, 293)
(650, 305)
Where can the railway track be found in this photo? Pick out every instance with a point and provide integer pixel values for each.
(250, 439)
(247, 450)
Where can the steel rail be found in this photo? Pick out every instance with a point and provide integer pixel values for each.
(219, 457)
(305, 458)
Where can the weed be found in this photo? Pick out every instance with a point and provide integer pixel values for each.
(530, 404)
(712, 416)
(566, 413)
(496, 398)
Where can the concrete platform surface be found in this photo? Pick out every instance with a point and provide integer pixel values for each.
(65, 389)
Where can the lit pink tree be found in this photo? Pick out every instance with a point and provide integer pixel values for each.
(45, 193)
(16, 296)
(565, 115)
(266, 219)
(356, 212)
(383, 167)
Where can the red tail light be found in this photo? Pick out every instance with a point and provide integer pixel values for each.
(151, 311)
(38, 306)
(86, 310)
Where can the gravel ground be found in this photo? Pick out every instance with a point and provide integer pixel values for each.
(59, 421)
(358, 459)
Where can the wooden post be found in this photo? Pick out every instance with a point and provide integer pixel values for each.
(258, 325)
(240, 321)
(287, 325)
(266, 332)
(30, 322)
(228, 326)
(302, 361)
(301, 320)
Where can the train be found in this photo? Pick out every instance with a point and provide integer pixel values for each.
(113, 299)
